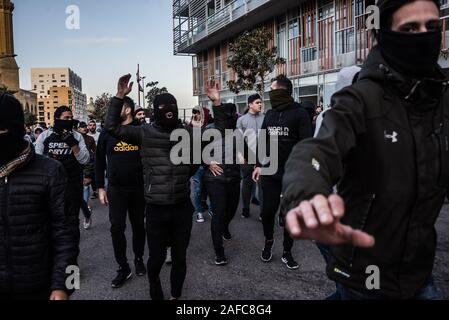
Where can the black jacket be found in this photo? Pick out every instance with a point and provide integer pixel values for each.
(291, 126)
(36, 241)
(122, 160)
(229, 146)
(165, 183)
(385, 142)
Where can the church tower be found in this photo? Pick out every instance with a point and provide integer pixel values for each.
(9, 71)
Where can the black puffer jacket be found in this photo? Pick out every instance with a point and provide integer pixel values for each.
(36, 242)
(386, 142)
(165, 182)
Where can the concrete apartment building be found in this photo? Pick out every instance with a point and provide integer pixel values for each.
(316, 37)
(57, 87)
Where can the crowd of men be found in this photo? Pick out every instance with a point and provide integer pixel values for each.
(368, 188)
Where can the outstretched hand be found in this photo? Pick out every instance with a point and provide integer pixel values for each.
(319, 220)
(124, 87)
(213, 92)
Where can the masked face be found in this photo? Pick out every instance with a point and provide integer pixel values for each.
(412, 54)
(63, 126)
(12, 145)
(280, 98)
(166, 111)
(411, 45)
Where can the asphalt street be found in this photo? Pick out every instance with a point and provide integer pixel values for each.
(245, 278)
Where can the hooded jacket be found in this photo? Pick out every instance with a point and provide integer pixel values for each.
(386, 143)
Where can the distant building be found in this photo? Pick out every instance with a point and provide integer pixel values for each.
(56, 87)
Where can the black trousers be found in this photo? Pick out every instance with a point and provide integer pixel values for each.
(225, 198)
(73, 199)
(168, 226)
(123, 200)
(42, 295)
(272, 190)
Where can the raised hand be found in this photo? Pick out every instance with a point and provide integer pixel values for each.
(213, 92)
(319, 220)
(215, 168)
(124, 87)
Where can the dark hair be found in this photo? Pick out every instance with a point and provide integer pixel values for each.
(92, 121)
(129, 103)
(284, 82)
(60, 111)
(253, 98)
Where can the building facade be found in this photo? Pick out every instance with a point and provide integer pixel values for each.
(56, 87)
(317, 38)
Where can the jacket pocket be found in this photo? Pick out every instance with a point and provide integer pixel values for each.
(358, 211)
(148, 182)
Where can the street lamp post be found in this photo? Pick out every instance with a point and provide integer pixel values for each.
(143, 88)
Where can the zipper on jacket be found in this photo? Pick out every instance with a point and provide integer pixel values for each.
(7, 233)
(362, 227)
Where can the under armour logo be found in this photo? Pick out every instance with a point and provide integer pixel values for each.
(393, 136)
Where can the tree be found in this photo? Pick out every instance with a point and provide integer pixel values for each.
(253, 60)
(154, 91)
(100, 107)
(30, 119)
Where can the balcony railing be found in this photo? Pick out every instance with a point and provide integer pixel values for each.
(213, 23)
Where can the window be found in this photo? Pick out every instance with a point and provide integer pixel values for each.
(293, 29)
(282, 40)
(309, 54)
(345, 41)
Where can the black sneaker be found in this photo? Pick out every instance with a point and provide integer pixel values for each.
(255, 202)
(246, 214)
(221, 261)
(121, 278)
(140, 267)
(227, 236)
(288, 260)
(267, 253)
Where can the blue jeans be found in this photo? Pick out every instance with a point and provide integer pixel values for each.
(197, 180)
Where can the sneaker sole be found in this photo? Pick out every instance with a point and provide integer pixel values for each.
(291, 268)
(269, 260)
(221, 264)
(127, 278)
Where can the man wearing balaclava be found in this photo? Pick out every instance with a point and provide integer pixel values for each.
(290, 123)
(37, 243)
(66, 145)
(385, 142)
(169, 210)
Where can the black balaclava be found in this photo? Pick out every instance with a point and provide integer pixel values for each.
(12, 120)
(280, 99)
(166, 111)
(231, 116)
(412, 54)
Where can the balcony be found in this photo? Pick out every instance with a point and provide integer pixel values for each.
(237, 16)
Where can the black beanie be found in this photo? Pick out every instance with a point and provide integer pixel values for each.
(164, 99)
(11, 115)
(388, 7)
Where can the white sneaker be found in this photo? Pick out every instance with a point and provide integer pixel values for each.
(168, 258)
(87, 223)
(199, 218)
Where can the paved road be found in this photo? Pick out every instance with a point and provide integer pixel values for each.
(245, 278)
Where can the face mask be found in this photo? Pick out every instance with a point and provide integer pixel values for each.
(280, 98)
(63, 125)
(231, 117)
(412, 54)
(167, 116)
(12, 146)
